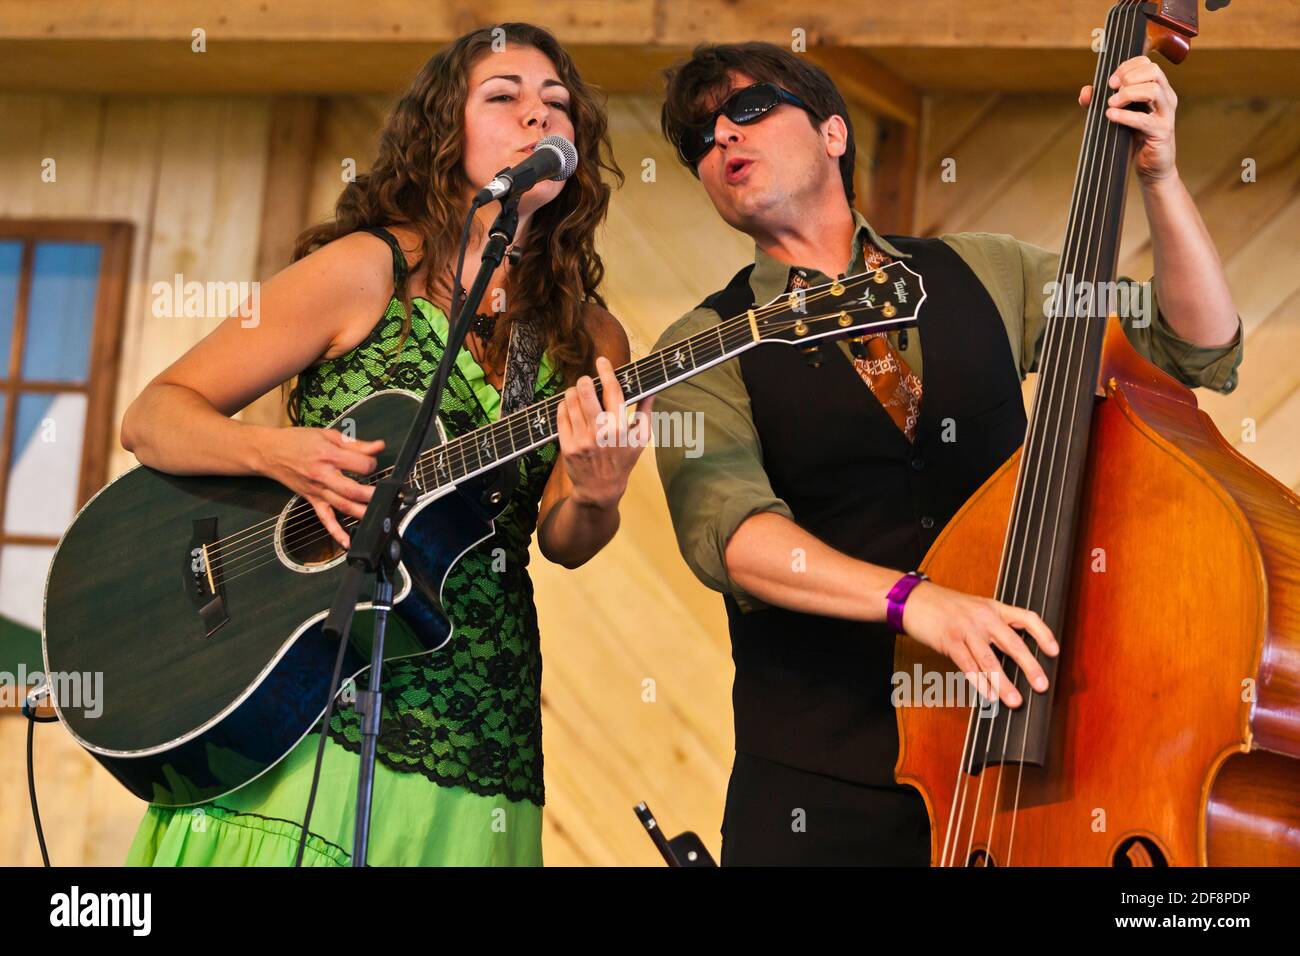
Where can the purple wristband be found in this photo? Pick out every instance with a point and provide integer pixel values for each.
(897, 597)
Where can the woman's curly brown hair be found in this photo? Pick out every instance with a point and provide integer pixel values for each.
(418, 181)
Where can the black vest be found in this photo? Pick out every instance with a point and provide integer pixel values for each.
(814, 692)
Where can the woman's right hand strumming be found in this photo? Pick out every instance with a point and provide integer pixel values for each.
(313, 462)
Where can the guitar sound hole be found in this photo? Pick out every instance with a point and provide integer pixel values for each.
(303, 538)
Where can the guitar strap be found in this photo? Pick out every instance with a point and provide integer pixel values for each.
(523, 357)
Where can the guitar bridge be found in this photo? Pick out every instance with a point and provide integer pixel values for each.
(203, 576)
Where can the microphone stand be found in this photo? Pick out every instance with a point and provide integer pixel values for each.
(376, 544)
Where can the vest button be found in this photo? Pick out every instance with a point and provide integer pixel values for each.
(927, 522)
(918, 464)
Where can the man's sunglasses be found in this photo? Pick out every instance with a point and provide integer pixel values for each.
(743, 106)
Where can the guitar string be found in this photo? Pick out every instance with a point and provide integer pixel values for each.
(520, 416)
(304, 512)
(763, 311)
(322, 536)
(1080, 330)
(251, 553)
(730, 340)
(1053, 345)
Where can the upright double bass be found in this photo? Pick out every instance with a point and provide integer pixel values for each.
(1165, 562)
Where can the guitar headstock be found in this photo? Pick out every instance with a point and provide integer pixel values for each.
(876, 301)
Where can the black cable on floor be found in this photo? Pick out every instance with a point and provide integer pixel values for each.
(29, 711)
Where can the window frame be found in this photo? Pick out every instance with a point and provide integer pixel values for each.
(114, 238)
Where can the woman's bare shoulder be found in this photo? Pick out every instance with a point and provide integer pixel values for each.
(356, 262)
(344, 286)
(318, 307)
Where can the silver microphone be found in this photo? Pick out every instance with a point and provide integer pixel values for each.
(554, 157)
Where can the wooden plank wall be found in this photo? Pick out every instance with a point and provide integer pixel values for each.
(189, 173)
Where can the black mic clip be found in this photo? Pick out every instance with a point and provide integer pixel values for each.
(482, 198)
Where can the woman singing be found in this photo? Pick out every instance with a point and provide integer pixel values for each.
(364, 308)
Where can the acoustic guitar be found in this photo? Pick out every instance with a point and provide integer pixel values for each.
(199, 600)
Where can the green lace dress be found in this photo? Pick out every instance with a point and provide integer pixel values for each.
(458, 778)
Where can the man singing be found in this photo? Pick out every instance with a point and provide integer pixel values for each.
(826, 475)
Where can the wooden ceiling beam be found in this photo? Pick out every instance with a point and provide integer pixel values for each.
(884, 56)
(155, 67)
(866, 82)
(936, 24)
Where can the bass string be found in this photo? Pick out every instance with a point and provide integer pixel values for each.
(1085, 199)
(1081, 329)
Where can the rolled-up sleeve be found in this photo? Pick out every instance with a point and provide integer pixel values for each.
(714, 478)
(1148, 330)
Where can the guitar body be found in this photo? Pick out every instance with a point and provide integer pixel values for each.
(203, 668)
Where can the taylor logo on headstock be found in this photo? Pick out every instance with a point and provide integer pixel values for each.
(880, 300)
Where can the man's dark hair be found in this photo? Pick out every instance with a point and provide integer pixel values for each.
(701, 80)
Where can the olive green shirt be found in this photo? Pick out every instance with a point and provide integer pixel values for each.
(714, 487)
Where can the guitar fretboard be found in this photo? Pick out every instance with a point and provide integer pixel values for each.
(831, 309)
(521, 431)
